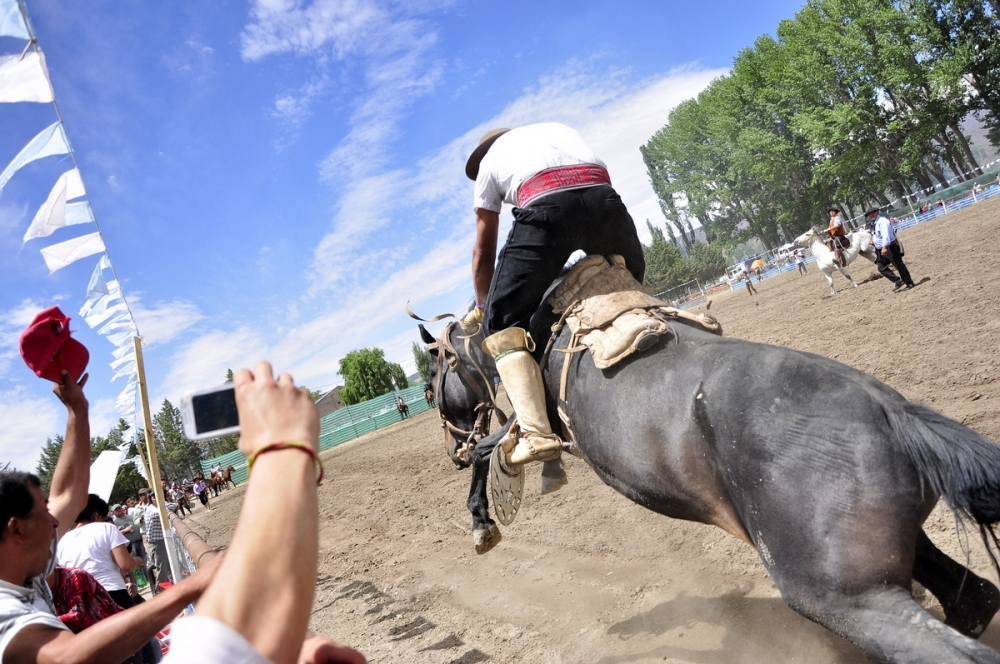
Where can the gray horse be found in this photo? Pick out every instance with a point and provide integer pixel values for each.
(826, 471)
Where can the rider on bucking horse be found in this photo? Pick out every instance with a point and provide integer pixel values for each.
(838, 235)
(563, 201)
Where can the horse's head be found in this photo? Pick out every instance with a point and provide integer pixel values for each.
(806, 238)
(461, 378)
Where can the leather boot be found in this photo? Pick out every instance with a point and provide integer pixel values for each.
(523, 381)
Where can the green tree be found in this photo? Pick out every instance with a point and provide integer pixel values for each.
(178, 456)
(665, 266)
(47, 462)
(367, 374)
(706, 262)
(423, 359)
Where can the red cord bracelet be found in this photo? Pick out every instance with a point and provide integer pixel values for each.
(288, 445)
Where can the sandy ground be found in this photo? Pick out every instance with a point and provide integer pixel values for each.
(584, 575)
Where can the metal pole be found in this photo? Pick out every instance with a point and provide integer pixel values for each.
(154, 464)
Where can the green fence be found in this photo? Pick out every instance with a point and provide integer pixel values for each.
(342, 425)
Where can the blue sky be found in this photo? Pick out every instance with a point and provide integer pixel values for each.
(275, 179)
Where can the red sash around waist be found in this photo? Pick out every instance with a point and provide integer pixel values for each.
(561, 178)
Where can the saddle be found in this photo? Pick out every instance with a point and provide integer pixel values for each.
(612, 314)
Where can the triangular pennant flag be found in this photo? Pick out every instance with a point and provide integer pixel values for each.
(79, 213)
(103, 313)
(12, 23)
(98, 286)
(127, 370)
(109, 326)
(118, 352)
(49, 141)
(66, 253)
(24, 78)
(140, 467)
(120, 337)
(96, 308)
(52, 214)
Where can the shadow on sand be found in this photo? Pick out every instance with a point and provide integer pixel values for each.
(753, 630)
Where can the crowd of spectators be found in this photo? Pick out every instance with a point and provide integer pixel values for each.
(71, 565)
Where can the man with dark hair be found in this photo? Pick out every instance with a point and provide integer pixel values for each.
(889, 251)
(563, 202)
(30, 525)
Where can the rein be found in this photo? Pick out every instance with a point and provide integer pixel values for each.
(486, 398)
(481, 387)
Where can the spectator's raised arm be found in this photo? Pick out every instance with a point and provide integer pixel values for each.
(271, 555)
(71, 478)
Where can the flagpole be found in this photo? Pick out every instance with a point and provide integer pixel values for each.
(154, 465)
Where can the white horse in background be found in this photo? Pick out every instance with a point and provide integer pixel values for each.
(861, 244)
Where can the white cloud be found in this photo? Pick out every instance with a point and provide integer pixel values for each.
(12, 323)
(163, 321)
(27, 422)
(203, 361)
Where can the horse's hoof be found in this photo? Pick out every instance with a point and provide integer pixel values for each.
(553, 484)
(553, 476)
(486, 538)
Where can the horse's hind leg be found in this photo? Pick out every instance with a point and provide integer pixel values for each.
(969, 601)
(847, 274)
(887, 624)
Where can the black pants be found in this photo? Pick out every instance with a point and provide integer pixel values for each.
(893, 257)
(544, 235)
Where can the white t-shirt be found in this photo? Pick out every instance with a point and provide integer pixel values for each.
(522, 153)
(203, 639)
(89, 548)
(18, 609)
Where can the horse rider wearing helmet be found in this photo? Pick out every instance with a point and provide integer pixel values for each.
(563, 201)
(838, 236)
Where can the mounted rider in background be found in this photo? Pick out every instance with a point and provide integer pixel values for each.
(838, 234)
(563, 201)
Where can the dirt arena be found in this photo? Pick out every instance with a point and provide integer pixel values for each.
(584, 575)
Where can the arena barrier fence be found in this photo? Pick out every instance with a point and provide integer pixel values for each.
(342, 425)
(684, 296)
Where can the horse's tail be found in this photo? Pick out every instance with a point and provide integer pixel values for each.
(959, 464)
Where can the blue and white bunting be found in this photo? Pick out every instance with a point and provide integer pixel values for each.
(12, 21)
(50, 141)
(24, 78)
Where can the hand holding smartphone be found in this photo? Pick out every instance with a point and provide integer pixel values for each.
(210, 413)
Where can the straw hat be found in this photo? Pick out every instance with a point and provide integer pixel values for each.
(472, 166)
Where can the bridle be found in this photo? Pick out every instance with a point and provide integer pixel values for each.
(448, 359)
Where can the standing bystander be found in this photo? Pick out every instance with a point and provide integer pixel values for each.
(889, 251)
(156, 545)
(126, 526)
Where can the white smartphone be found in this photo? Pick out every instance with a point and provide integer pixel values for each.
(210, 413)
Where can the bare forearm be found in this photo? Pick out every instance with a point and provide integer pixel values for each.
(482, 275)
(116, 638)
(71, 478)
(484, 253)
(273, 554)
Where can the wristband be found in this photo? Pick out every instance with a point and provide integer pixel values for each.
(288, 445)
(481, 307)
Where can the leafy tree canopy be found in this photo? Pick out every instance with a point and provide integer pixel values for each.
(367, 374)
(422, 358)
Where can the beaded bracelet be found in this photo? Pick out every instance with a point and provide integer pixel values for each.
(287, 445)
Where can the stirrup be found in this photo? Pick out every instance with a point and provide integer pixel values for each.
(506, 486)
